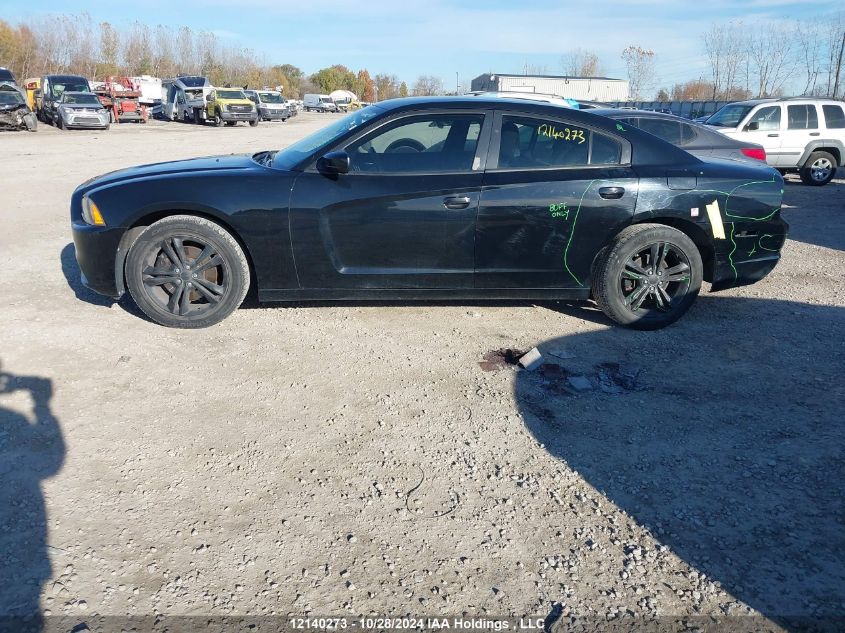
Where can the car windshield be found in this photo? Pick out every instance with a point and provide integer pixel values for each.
(10, 97)
(230, 94)
(291, 156)
(729, 115)
(271, 97)
(326, 99)
(84, 99)
(59, 89)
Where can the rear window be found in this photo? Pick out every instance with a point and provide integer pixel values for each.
(834, 117)
(802, 117)
(528, 143)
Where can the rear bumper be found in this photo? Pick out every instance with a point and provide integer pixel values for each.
(96, 253)
(749, 253)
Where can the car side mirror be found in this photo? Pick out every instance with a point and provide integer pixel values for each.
(208, 97)
(334, 163)
(753, 126)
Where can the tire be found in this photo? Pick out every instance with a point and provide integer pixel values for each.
(253, 123)
(160, 291)
(218, 120)
(231, 123)
(633, 299)
(59, 123)
(819, 169)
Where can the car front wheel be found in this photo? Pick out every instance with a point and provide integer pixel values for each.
(648, 277)
(186, 272)
(819, 169)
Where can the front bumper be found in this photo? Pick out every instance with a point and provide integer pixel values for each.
(96, 254)
(85, 119)
(238, 116)
(274, 114)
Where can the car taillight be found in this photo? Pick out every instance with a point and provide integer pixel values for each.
(754, 152)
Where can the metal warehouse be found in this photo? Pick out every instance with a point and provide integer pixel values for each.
(586, 88)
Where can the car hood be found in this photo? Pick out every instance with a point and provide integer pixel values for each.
(172, 168)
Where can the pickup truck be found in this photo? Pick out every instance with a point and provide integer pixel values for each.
(229, 105)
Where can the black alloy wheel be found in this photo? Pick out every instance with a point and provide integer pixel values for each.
(187, 272)
(648, 277)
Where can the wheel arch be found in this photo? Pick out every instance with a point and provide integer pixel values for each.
(832, 147)
(152, 217)
(698, 235)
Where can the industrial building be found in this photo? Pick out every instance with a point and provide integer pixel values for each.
(584, 88)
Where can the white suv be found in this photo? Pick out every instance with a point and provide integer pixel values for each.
(799, 134)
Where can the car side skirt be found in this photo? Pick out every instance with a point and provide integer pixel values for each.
(421, 294)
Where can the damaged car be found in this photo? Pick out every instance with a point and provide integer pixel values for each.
(429, 199)
(15, 113)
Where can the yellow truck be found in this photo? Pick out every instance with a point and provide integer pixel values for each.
(229, 105)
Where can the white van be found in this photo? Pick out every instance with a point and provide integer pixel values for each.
(319, 103)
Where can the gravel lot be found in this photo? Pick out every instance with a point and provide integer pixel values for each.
(356, 459)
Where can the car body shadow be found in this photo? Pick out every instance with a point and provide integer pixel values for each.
(722, 436)
(31, 450)
(72, 274)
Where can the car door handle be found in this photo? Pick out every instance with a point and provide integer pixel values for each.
(611, 193)
(457, 202)
(773, 135)
(815, 133)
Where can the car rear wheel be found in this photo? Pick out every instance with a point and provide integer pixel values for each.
(186, 272)
(819, 169)
(648, 277)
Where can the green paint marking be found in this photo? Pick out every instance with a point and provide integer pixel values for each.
(752, 251)
(760, 243)
(728, 195)
(731, 254)
(620, 128)
(559, 210)
(572, 234)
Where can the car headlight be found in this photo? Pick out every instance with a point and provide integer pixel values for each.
(90, 213)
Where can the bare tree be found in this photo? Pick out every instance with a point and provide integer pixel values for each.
(771, 55)
(580, 63)
(640, 63)
(427, 85)
(809, 46)
(726, 53)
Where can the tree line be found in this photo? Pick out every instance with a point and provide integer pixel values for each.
(55, 44)
(743, 60)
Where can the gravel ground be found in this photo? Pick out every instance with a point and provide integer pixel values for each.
(357, 459)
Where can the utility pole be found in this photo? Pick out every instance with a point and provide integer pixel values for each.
(838, 67)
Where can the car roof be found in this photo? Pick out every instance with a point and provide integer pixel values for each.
(64, 77)
(618, 113)
(650, 149)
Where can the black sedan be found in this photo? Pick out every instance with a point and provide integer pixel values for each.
(429, 199)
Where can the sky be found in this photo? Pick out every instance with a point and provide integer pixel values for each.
(453, 39)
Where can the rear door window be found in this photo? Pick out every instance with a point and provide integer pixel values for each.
(669, 131)
(834, 117)
(802, 117)
(534, 143)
